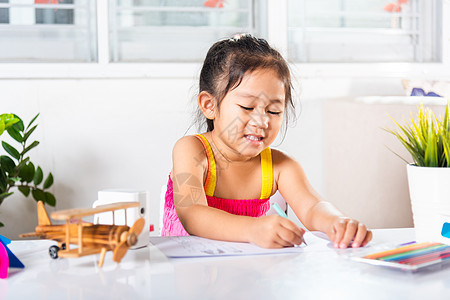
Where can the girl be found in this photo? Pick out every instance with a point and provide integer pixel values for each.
(221, 180)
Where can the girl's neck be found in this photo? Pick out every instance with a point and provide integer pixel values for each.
(225, 153)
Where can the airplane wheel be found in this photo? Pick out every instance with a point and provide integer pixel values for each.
(53, 251)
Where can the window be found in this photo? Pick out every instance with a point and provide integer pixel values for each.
(4, 13)
(128, 31)
(47, 30)
(174, 30)
(364, 31)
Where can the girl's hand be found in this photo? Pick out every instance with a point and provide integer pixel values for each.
(345, 230)
(275, 232)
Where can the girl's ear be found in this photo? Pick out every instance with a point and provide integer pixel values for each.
(207, 105)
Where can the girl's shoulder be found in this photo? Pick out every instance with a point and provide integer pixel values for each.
(283, 163)
(189, 144)
(281, 158)
(188, 141)
(190, 149)
(285, 166)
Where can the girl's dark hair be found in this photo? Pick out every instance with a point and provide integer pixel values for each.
(227, 61)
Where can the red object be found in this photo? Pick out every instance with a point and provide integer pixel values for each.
(392, 7)
(395, 7)
(214, 3)
(152, 228)
(46, 1)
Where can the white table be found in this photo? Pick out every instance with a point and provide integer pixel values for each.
(147, 273)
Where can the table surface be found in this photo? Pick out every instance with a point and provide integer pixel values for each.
(146, 273)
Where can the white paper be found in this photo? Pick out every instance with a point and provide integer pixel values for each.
(193, 246)
(317, 242)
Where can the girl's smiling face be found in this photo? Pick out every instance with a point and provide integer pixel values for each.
(250, 115)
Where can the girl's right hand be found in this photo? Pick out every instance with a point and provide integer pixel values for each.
(274, 231)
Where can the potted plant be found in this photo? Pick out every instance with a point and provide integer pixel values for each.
(16, 169)
(427, 139)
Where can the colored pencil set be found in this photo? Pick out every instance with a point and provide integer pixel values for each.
(412, 256)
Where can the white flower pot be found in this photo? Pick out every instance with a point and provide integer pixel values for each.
(429, 190)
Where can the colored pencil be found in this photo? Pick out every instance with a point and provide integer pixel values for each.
(400, 250)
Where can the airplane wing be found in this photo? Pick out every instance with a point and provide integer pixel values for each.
(78, 213)
(75, 253)
(32, 234)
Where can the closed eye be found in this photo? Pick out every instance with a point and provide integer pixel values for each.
(251, 108)
(246, 108)
(274, 112)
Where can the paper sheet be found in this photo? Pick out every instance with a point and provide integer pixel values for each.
(193, 246)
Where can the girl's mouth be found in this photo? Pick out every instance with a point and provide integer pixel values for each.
(254, 138)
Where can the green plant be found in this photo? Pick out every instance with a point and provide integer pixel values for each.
(427, 139)
(16, 169)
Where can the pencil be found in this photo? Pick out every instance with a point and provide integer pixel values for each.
(281, 213)
(400, 250)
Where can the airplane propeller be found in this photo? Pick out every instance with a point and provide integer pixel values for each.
(128, 239)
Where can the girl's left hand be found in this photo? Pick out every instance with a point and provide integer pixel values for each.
(347, 232)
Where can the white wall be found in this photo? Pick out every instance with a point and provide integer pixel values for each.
(96, 134)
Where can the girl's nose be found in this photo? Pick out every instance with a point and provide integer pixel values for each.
(259, 119)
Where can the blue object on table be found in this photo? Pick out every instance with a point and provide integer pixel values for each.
(421, 92)
(446, 230)
(14, 262)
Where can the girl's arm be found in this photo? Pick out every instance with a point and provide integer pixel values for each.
(189, 167)
(312, 211)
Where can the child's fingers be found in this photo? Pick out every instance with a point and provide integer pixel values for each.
(360, 235)
(298, 231)
(284, 241)
(339, 231)
(367, 239)
(275, 244)
(350, 232)
(291, 237)
(292, 227)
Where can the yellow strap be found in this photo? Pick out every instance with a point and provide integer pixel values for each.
(267, 175)
(210, 184)
(266, 170)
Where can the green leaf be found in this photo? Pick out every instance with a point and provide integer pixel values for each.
(49, 181)
(25, 190)
(2, 127)
(11, 150)
(4, 195)
(15, 179)
(21, 165)
(39, 194)
(31, 122)
(51, 200)
(27, 172)
(38, 176)
(15, 134)
(33, 144)
(6, 121)
(427, 139)
(28, 133)
(19, 123)
(3, 182)
(7, 164)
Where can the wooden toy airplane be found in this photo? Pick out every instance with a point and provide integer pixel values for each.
(90, 238)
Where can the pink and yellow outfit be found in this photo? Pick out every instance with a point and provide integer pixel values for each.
(244, 207)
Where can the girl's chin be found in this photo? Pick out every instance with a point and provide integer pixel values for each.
(251, 147)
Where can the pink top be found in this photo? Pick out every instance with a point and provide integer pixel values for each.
(244, 207)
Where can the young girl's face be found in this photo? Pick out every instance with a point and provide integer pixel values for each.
(251, 115)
